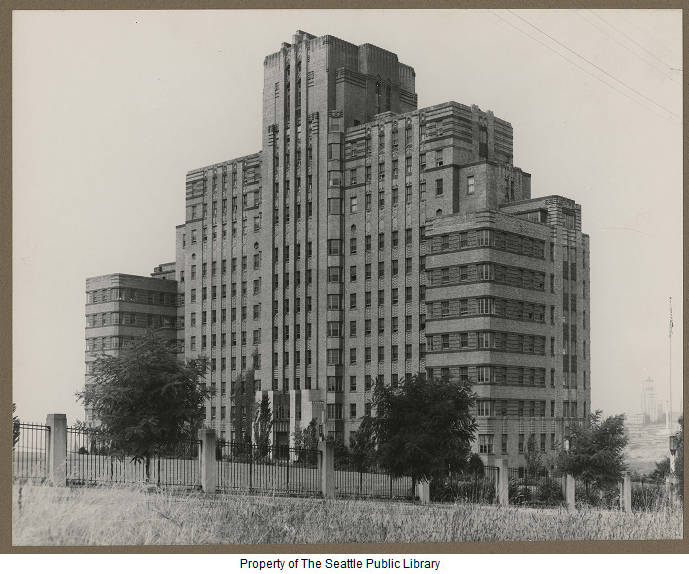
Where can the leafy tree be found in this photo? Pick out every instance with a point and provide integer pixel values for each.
(596, 451)
(263, 425)
(362, 446)
(146, 400)
(15, 426)
(475, 465)
(306, 442)
(661, 471)
(243, 406)
(424, 427)
(533, 457)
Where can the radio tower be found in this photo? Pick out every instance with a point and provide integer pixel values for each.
(669, 414)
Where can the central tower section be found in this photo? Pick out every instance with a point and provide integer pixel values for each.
(314, 89)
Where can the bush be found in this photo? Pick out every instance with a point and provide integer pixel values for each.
(464, 488)
(82, 450)
(601, 497)
(549, 492)
(648, 496)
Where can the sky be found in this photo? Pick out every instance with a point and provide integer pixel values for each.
(111, 109)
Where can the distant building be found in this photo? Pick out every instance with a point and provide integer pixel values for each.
(650, 407)
(122, 307)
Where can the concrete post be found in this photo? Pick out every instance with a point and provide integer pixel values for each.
(423, 491)
(57, 449)
(502, 482)
(670, 487)
(626, 493)
(570, 496)
(207, 462)
(327, 450)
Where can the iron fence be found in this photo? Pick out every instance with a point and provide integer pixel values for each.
(269, 469)
(473, 487)
(92, 460)
(542, 488)
(30, 451)
(360, 479)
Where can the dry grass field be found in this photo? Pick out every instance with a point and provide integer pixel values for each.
(127, 516)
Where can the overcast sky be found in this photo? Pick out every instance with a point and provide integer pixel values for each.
(111, 109)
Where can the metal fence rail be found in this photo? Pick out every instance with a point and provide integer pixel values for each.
(268, 469)
(368, 480)
(542, 488)
(92, 460)
(30, 451)
(478, 487)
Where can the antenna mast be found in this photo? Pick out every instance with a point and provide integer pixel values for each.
(669, 414)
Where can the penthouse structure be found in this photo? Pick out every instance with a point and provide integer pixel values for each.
(371, 239)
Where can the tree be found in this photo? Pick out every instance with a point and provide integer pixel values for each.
(243, 406)
(306, 443)
(263, 425)
(596, 451)
(679, 458)
(15, 426)
(145, 399)
(362, 445)
(475, 466)
(424, 427)
(533, 457)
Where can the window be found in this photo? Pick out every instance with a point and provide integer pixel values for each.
(334, 275)
(352, 273)
(352, 300)
(333, 329)
(352, 245)
(484, 408)
(334, 247)
(470, 185)
(334, 357)
(381, 240)
(438, 186)
(485, 443)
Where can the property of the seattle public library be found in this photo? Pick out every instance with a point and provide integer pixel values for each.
(370, 239)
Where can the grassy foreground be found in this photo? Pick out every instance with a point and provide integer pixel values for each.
(119, 516)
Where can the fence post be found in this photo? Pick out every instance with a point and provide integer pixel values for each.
(423, 491)
(670, 482)
(327, 450)
(625, 493)
(569, 488)
(57, 449)
(207, 462)
(502, 482)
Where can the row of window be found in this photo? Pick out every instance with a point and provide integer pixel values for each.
(491, 375)
(525, 408)
(257, 223)
(149, 320)
(495, 306)
(497, 239)
(146, 296)
(486, 443)
(484, 340)
(494, 272)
